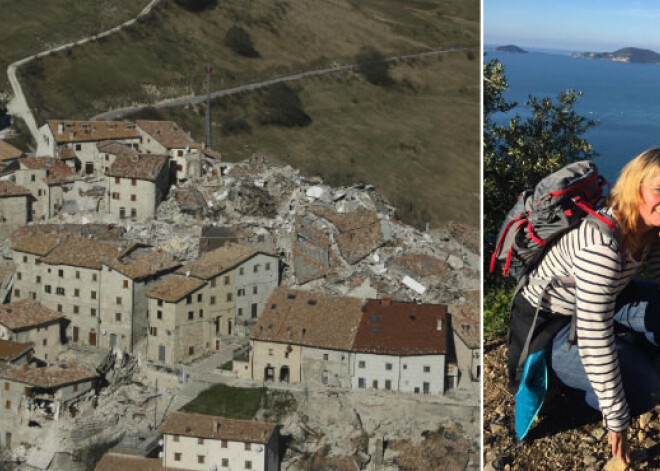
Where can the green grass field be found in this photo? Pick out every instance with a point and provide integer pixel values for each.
(228, 402)
(165, 54)
(417, 141)
(30, 26)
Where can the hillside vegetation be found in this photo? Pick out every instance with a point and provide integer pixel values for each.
(165, 54)
(31, 26)
(417, 141)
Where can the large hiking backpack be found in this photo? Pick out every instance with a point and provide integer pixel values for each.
(558, 203)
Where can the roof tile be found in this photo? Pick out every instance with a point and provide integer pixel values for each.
(169, 134)
(174, 287)
(80, 131)
(218, 428)
(142, 166)
(49, 376)
(26, 313)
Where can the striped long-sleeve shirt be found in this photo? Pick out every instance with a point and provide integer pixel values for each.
(601, 272)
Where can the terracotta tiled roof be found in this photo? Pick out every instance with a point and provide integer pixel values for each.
(212, 154)
(395, 328)
(174, 287)
(37, 243)
(56, 170)
(26, 313)
(66, 153)
(80, 131)
(465, 319)
(9, 189)
(143, 166)
(7, 151)
(219, 260)
(98, 231)
(218, 428)
(421, 265)
(49, 376)
(169, 134)
(117, 461)
(112, 147)
(10, 350)
(143, 266)
(82, 252)
(305, 318)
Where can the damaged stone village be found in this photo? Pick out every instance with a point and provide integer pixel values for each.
(162, 309)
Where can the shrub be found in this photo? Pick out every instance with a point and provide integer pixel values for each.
(239, 41)
(373, 66)
(284, 108)
(235, 125)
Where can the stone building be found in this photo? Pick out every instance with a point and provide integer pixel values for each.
(401, 347)
(305, 337)
(125, 281)
(202, 442)
(83, 136)
(109, 151)
(26, 321)
(15, 204)
(46, 179)
(166, 137)
(466, 330)
(136, 185)
(15, 353)
(27, 251)
(9, 156)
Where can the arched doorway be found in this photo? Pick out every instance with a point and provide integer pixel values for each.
(284, 374)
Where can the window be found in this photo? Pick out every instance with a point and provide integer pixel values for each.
(254, 311)
(133, 212)
(248, 464)
(77, 275)
(117, 180)
(76, 292)
(92, 312)
(405, 367)
(78, 146)
(93, 276)
(255, 269)
(179, 153)
(225, 461)
(115, 195)
(270, 351)
(361, 383)
(75, 388)
(200, 441)
(59, 290)
(93, 295)
(6, 386)
(229, 298)
(426, 388)
(119, 300)
(213, 283)
(177, 456)
(226, 280)
(60, 273)
(8, 405)
(76, 309)
(201, 313)
(133, 198)
(200, 458)
(191, 315)
(199, 298)
(118, 316)
(24, 259)
(212, 300)
(59, 308)
(38, 279)
(361, 364)
(191, 350)
(388, 384)
(247, 446)
(388, 366)
(47, 289)
(154, 333)
(254, 290)
(267, 266)
(241, 292)
(175, 438)
(241, 271)
(133, 182)
(159, 314)
(325, 356)
(223, 444)
(125, 284)
(17, 293)
(160, 302)
(19, 276)
(188, 299)
(427, 369)
(240, 311)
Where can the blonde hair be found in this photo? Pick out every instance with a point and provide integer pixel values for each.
(626, 196)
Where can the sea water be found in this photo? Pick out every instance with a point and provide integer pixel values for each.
(623, 98)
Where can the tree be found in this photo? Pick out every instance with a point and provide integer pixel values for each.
(239, 41)
(373, 66)
(516, 157)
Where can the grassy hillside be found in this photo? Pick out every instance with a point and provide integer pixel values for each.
(416, 141)
(30, 26)
(165, 54)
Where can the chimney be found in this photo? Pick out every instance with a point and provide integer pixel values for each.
(439, 326)
(60, 128)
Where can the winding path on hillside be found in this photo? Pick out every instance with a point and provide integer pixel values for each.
(18, 105)
(187, 100)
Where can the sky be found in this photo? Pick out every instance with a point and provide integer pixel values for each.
(573, 25)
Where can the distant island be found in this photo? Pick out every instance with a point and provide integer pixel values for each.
(627, 54)
(510, 48)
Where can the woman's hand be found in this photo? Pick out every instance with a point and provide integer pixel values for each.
(620, 447)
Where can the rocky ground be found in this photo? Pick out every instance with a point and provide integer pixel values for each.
(567, 434)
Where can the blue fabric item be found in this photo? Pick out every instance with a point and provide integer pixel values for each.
(531, 393)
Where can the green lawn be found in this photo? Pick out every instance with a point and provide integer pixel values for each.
(228, 402)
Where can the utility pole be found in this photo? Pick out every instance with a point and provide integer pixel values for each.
(207, 140)
(156, 407)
